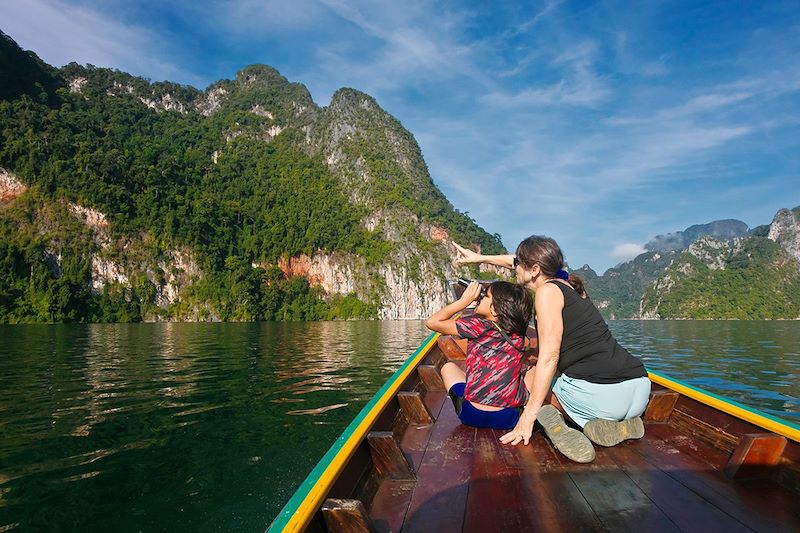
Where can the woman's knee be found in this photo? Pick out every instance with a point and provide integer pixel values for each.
(641, 395)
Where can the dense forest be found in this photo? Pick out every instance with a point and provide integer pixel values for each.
(172, 176)
(753, 279)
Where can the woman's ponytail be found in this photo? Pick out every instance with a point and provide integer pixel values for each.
(577, 284)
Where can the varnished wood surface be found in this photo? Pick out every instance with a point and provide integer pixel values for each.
(468, 481)
(428, 472)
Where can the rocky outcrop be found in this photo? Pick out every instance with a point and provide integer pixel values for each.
(166, 102)
(76, 84)
(10, 187)
(710, 251)
(211, 101)
(334, 273)
(785, 230)
(412, 296)
(121, 261)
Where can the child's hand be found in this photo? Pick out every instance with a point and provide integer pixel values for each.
(470, 293)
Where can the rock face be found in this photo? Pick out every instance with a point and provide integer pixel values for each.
(746, 278)
(10, 186)
(376, 160)
(785, 230)
(710, 251)
(112, 262)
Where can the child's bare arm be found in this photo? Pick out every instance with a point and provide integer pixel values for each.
(443, 321)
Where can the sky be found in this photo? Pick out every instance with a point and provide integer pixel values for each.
(599, 124)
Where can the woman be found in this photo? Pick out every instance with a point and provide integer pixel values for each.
(600, 386)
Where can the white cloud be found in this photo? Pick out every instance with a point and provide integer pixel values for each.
(581, 123)
(626, 251)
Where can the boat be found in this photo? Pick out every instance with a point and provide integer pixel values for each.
(406, 463)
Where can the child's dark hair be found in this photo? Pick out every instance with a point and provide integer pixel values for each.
(513, 305)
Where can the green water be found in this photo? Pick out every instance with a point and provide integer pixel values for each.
(211, 427)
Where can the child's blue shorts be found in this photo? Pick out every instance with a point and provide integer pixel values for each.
(472, 416)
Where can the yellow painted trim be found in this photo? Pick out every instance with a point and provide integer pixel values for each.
(314, 499)
(726, 406)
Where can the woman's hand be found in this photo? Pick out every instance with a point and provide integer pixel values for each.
(470, 294)
(466, 256)
(522, 431)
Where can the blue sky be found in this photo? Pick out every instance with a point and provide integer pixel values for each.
(598, 124)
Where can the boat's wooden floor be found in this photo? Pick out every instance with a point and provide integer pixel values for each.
(468, 481)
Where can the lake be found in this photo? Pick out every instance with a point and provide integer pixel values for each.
(211, 427)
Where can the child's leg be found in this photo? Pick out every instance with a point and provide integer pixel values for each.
(452, 374)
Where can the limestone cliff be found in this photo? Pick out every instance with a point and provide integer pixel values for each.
(746, 277)
(157, 208)
(785, 230)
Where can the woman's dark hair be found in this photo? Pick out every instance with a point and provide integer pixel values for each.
(545, 252)
(513, 306)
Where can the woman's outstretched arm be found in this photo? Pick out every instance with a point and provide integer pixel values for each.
(467, 256)
(549, 304)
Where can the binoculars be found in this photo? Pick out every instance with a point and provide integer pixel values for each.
(463, 283)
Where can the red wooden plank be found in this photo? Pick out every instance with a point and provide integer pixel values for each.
(414, 408)
(755, 456)
(660, 406)
(346, 516)
(616, 500)
(453, 348)
(387, 456)
(761, 505)
(530, 490)
(391, 501)
(683, 506)
(390, 504)
(440, 497)
(539, 454)
(497, 500)
(414, 440)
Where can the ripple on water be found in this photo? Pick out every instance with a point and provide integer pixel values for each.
(213, 426)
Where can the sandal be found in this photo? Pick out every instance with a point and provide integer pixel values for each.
(570, 442)
(611, 433)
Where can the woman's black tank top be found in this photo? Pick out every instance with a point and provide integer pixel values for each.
(588, 350)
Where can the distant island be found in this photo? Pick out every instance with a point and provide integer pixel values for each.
(125, 200)
(720, 270)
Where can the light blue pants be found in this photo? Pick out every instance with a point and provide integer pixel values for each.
(584, 401)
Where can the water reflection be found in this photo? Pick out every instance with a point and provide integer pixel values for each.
(177, 426)
(213, 426)
(756, 363)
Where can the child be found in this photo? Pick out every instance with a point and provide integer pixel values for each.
(492, 393)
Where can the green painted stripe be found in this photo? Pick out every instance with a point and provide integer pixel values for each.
(302, 491)
(775, 419)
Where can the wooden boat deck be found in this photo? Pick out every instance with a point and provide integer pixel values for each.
(468, 481)
(410, 465)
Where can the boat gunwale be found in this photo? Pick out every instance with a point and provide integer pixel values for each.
(726, 405)
(306, 500)
(309, 496)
